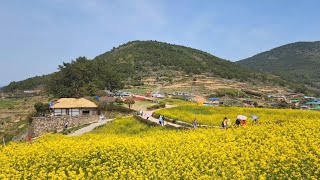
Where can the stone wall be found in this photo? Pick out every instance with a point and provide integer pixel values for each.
(42, 125)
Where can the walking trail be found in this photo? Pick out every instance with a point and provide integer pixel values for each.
(101, 122)
(152, 119)
(89, 128)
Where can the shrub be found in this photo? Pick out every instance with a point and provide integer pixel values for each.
(228, 91)
(129, 102)
(157, 106)
(118, 101)
(112, 107)
(41, 108)
(253, 93)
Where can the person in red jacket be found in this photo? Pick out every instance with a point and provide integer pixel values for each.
(243, 123)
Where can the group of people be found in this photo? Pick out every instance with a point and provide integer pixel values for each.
(239, 122)
(224, 124)
(140, 112)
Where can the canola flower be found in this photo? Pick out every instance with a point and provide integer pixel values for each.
(214, 115)
(127, 149)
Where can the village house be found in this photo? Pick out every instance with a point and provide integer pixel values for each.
(295, 95)
(213, 101)
(314, 105)
(294, 102)
(248, 102)
(74, 107)
(183, 95)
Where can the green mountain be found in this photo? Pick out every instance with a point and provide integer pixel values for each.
(298, 62)
(27, 84)
(134, 60)
(145, 58)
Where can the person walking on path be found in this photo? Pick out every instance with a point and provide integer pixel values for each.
(224, 123)
(147, 115)
(195, 123)
(160, 119)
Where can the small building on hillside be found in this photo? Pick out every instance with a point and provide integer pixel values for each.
(213, 101)
(158, 95)
(74, 107)
(122, 94)
(248, 101)
(294, 102)
(183, 95)
(29, 91)
(295, 95)
(313, 104)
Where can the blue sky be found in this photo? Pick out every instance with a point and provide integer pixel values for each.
(38, 35)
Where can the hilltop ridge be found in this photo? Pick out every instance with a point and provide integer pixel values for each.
(298, 62)
(137, 59)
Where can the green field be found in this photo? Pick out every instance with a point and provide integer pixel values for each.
(8, 103)
(141, 105)
(141, 90)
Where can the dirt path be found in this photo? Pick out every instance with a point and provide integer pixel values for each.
(89, 128)
(152, 119)
(94, 125)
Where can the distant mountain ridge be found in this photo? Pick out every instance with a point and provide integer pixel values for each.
(137, 59)
(299, 62)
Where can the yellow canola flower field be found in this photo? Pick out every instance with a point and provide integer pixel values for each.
(214, 115)
(127, 149)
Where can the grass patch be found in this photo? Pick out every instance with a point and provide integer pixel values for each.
(126, 126)
(177, 102)
(141, 105)
(141, 90)
(8, 103)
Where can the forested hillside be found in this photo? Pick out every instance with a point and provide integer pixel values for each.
(30, 83)
(299, 62)
(145, 58)
(134, 60)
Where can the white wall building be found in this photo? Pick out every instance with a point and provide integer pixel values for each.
(74, 107)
